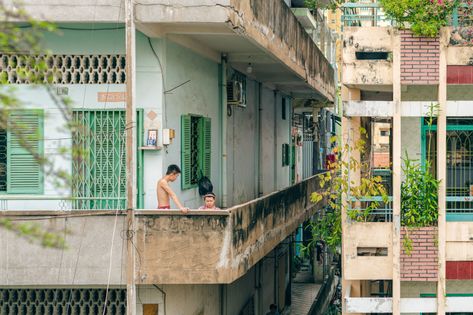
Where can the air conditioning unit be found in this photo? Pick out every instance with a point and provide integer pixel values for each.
(236, 94)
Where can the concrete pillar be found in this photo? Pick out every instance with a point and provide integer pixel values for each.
(396, 138)
(442, 171)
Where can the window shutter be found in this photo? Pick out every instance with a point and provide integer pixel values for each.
(186, 152)
(24, 171)
(205, 145)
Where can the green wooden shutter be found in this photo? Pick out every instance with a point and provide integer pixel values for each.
(24, 171)
(205, 147)
(186, 167)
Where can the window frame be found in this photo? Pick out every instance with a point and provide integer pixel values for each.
(204, 150)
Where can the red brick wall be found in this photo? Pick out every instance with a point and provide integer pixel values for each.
(421, 265)
(419, 59)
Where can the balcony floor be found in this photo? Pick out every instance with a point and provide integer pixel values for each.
(304, 292)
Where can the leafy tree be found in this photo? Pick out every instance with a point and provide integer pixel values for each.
(21, 35)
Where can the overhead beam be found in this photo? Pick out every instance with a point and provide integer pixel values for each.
(408, 108)
(407, 305)
(161, 29)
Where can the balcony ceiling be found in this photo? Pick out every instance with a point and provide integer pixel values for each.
(213, 40)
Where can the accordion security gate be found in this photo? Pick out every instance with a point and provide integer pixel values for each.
(99, 178)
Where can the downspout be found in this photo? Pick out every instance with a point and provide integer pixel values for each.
(260, 147)
(223, 303)
(275, 140)
(223, 129)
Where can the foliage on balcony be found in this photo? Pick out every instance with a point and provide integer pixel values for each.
(419, 195)
(337, 186)
(424, 17)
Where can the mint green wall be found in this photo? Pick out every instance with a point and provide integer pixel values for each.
(199, 96)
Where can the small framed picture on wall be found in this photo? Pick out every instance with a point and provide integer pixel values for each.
(152, 139)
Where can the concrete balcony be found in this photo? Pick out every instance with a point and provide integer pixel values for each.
(366, 236)
(366, 61)
(202, 247)
(263, 33)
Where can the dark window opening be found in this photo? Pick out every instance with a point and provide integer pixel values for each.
(372, 55)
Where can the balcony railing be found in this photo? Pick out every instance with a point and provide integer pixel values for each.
(364, 14)
(371, 14)
(370, 209)
(459, 208)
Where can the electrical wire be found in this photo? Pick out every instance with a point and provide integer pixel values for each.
(163, 84)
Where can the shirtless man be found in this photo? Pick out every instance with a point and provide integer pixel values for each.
(164, 191)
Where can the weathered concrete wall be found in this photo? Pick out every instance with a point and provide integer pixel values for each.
(366, 72)
(262, 224)
(242, 148)
(233, 241)
(374, 235)
(192, 299)
(459, 241)
(85, 261)
(172, 248)
(411, 137)
(271, 24)
(268, 111)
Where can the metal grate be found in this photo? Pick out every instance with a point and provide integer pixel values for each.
(459, 168)
(3, 160)
(64, 69)
(194, 149)
(99, 180)
(459, 165)
(62, 301)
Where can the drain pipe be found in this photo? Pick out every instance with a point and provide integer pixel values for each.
(223, 129)
(276, 185)
(260, 139)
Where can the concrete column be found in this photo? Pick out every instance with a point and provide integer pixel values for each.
(350, 135)
(396, 44)
(345, 283)
(442, 171)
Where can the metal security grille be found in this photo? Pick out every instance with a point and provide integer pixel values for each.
(459, 165)
(3, 160)
(64, 69)
(62, 301)
(99, 179)
(459, 168)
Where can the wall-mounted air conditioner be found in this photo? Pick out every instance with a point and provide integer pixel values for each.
(236, 94)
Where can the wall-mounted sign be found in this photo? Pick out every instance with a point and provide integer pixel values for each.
(111, 97)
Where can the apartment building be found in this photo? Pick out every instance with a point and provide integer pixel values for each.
(392, 78)
(215, 86)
